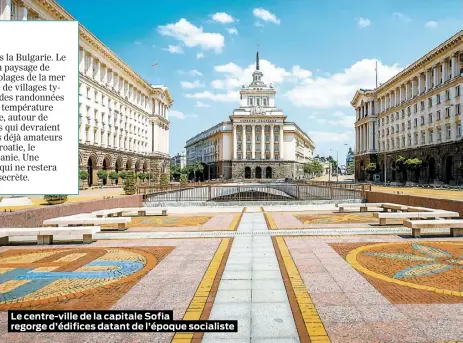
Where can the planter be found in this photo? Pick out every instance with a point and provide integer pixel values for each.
(56, 202)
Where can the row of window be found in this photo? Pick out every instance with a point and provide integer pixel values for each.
(267, 147)
(426, 138)
(395, 129)
(239, 128)
(267, 138)
(392, 116)
(267, 156)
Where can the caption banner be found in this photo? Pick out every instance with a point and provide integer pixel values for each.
(111, 321)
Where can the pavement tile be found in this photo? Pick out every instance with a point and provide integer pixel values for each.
(339, 314)
(272, 320)
(380, 313)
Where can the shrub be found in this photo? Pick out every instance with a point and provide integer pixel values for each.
(183, 179)
(371, 168)
(130, 184)
(413, 163)
(164, 180)
(102, 174)
(141, 176)
(123, 174)
(83, 175)
(114, 175)
(52, 197)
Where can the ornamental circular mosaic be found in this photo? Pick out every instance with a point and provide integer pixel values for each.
(432, 266)
(75, 278)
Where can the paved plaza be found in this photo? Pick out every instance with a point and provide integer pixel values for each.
(291, 274)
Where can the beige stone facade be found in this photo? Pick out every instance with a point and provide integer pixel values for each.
(415, 114)
(123, 120)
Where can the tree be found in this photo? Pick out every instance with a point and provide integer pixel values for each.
(334, 163)
(313, 167)
(164, 180)
(371, 168)
(130, 183)
(102, 174)
(175, 172)
(83, 176)
(183, 179)
(113, 176)
(350, 169)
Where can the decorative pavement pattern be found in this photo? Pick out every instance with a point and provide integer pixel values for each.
(350, 285)
(314, 220)
(221, 222)
(90, 278)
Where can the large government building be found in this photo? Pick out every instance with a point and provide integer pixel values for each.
(123, 119)
(257, 141)
(415, 114)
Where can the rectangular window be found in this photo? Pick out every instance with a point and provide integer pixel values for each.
(459, 130)
(416, 122)
(438, 98)
(457, 110)
(438, 115)
(430, 102)
(430, 118)
(422, 120)
(447, 95)
(422, 105)
(447, 112)
(416, 108)
(457, 91)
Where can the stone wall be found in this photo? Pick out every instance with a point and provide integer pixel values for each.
(442, 163)
(411, 200)
(280, 169)
(34, 217)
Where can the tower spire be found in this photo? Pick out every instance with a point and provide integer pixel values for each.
(257, 57)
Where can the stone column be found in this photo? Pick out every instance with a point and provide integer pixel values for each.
(235, 143)
(427, 79)
(262, 142)
(22, 11)
(436, 75)
(272, 142)
(413, 88)
(406, 91)
(420, 84)
(5, 10)
(455, 66)
(253, 142)
(445, 64)
(357, 139)
(281, 142)
(244, 142)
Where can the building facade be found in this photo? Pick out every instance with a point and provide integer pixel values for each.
(415, 114)
(256, 142)
(179, 160)
(123, 119)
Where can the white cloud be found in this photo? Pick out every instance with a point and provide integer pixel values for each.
(199, 55)
(298, 72)
(137, 42)
(195, 72)
(229, 96)
(331, 137)
(338, 119)
(401, 17)
(337, 90)
(191, 85)
(431, 24)
(193, 36)
(223, 18)
(176, 114)
(265, 15)
(200, 104)
(232, 31)
(174, 49)
(363, 22)
(258, 24)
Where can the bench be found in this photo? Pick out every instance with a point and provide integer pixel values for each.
(87, 221)
(455, 226)
(393, 207)
(420, 209)
(45, 235)
(119, 211)
(382, 216)
(362, 206)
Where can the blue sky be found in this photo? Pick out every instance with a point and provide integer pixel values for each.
(316, 53)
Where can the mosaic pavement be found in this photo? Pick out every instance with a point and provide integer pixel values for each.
(314, 220)
(214, 222)
(294, 289)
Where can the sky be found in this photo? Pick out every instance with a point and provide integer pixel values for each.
(315, 53)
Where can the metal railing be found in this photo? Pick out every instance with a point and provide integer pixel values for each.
(256, 192)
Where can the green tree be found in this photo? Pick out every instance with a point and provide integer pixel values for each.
(123, 174)
(102, 174)
(175, 172)
(183, 179)
(113, 176)
(164, 180)
(350, 169)
(313, 167)
(130, 184)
